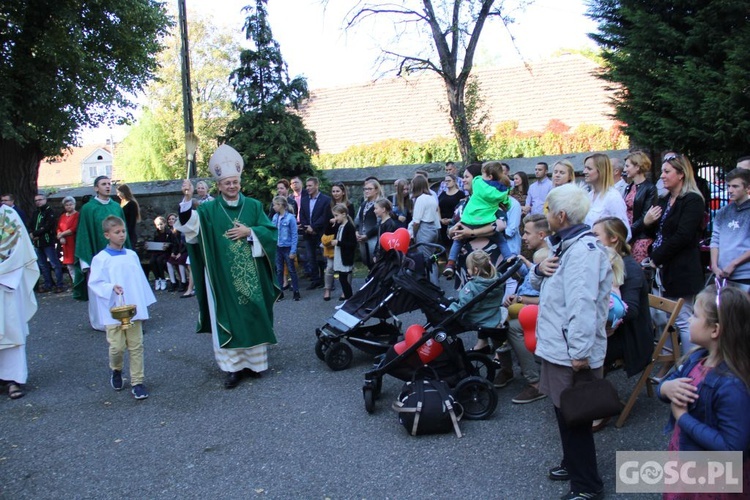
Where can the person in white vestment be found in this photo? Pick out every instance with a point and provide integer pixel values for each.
(19, 273)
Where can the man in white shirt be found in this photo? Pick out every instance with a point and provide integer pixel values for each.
(620, 182)
(538, 191)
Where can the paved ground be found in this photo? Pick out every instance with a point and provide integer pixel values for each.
(299, 432)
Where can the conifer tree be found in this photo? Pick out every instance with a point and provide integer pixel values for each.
(271, 138)
(681, 73)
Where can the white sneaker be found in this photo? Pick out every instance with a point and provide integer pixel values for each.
(157, 284)
(163, 284)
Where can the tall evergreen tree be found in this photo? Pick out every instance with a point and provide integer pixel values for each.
(681, 72)
(271, 138)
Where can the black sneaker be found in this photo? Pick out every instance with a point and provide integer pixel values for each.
(571, 495)
(297, 296)
(116, 380)
(139, 391)
(559, 473)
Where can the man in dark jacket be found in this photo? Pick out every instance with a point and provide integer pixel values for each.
(42, 231)
(314, 214)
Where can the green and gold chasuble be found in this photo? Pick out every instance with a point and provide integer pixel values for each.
(90, 239)
(243, 286)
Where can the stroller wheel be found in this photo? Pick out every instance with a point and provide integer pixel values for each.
(320, 349)
(369, 394)
(338, 356)
(481, 365)
(477, 396)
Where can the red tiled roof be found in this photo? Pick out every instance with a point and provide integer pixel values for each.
(65, 170)
(415, 108)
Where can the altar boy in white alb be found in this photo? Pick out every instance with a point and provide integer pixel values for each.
(116, 277)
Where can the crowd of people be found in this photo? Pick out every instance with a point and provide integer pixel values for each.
(592, 253)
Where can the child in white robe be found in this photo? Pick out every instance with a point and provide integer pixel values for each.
(116, 271)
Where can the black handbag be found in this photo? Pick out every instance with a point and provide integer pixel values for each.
(426, 405)
(588, 399)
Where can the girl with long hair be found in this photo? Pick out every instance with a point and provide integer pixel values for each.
(709, 393)
(132, 211)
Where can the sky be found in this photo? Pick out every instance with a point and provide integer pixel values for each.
(315, 45)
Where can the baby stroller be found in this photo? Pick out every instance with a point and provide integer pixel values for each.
(369, 319)
(469, 374)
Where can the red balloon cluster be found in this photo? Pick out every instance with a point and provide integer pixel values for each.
(527, 318)
(427, 352)
(398, 240)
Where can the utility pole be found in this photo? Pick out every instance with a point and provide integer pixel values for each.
(191, 140)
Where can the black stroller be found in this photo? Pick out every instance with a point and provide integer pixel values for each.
(470, 374)
(369, 319)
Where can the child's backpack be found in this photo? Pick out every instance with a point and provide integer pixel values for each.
(426, 405)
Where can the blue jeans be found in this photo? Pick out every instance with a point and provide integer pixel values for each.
(46, 256)
(282, 257)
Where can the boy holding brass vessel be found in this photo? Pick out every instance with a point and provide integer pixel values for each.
(122, 295)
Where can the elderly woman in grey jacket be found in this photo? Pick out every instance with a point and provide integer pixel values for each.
(574, 283)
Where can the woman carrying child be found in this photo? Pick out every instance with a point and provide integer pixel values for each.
(344, 246)
(709, 392)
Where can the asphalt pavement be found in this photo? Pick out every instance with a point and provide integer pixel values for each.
(300, 431)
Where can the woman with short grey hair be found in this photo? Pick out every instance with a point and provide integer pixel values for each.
(574, 283)
(67, 225)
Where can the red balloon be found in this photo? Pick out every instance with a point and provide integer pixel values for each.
(398, 240)
(413, 334)
(400, 347)
(527, 318)
(427, 351)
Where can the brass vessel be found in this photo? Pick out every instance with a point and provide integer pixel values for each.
(123, 313)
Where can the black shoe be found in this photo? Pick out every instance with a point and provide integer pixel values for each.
(116, 380)
(251, 373)
(182, 287)
(315, 284)
(297, 296)
(571, 495)
(232, 380)
(286, 287)
(559, 473)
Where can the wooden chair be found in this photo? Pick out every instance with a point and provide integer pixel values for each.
(668, 357)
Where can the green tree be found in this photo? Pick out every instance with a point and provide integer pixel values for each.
(272, 139)
(454, 28)
(154, 147)
(63, 66)
(681, 72)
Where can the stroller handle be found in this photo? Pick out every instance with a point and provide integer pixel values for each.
(437, 250)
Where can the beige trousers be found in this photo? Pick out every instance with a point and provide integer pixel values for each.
(132, 338)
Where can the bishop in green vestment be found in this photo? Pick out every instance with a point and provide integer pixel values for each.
(232, 248)
(90, 239)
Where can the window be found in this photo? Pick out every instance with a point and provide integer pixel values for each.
(92, 171)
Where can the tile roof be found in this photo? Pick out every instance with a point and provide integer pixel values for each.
(65, 170)
(415, 108)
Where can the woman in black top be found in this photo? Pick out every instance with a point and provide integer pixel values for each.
(675, 223)
(131, 210)
(640, 196)
(367, 222)
(447, 203)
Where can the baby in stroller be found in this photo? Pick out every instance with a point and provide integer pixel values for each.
(490, 312)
